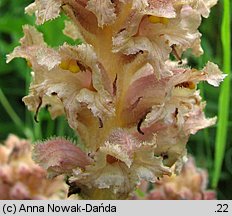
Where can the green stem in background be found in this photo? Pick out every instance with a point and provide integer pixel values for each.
(37, 128)
(50, 128)
(61, 126)
(37, 131)
(10, 111)
(207, 145)
(13, 115)
(224, 97)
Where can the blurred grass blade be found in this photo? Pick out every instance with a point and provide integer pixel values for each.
(10, 111)
(13, 115)
(61, 126)
(224, 98)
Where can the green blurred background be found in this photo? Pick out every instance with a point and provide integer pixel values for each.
(15, 79)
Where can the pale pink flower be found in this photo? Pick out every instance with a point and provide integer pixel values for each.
(21, 178)
(190, 184)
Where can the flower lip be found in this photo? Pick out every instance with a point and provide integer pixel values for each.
(60, 156)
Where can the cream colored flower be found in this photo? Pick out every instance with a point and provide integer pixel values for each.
(133, 108)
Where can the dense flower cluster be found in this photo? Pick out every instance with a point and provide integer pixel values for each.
(21, 178)
(190, 184)
(133, 107)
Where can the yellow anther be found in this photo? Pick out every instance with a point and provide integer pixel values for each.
(192, 85)
(70, 65)
(64, 64)
(164, 20)
(73, 66)
(155, 19)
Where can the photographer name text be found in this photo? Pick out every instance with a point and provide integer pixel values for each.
(51, 208)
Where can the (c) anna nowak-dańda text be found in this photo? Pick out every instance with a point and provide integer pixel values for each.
(68, 208)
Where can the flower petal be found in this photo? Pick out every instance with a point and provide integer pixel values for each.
(161, 8)
(104, 11)
(44, 10)
(72, 31)
(60, 156)
(213, 75)
(32, 40)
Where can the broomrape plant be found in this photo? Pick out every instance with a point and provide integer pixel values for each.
(132, 106)
(190, 184)
(21, 178)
